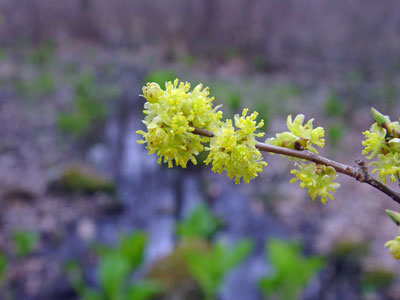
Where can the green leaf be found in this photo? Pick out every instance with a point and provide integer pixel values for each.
(113, 272)
(91, 294)
(75, 275)
(132, 248)
(201, 223)
(209, 266)
(24, 242)
(143, 290)
(161, 76)
(3, 266)
(292, 271)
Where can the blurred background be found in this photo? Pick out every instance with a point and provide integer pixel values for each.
(85, 212)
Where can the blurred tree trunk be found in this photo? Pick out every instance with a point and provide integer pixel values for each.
(207, 22)
(87, 27)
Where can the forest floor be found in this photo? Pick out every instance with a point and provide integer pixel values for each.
(38, 89)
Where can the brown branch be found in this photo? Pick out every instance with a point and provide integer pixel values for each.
(361, 173)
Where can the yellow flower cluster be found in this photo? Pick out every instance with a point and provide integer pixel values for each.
(375, 140)
(394, 247)
(235, 150)
(171, 116)
(387, 165)
(382, 140)
(299, 136)
(318, 179)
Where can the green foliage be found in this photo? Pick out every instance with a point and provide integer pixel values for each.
(88, 107)
(41, 55)
(131, 247)
(292, 270)
(234, 100)
(281, 92)
(388, 92)
(24, 242)
(201, 223)
(45, 83)
(353, 79)
(228, 94)
(336, 133)
(333, 107)
(210, 266)
(260, 62)
(115, 268)
(142, 290)
(77, 179)
(349, 250)
(378, 279)
(42, 84)
(263, 112)
(3, 266)
(187, 60)
(172, 270)
(2, 54)
(161, 77)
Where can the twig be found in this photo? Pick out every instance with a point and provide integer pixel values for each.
(360, 174)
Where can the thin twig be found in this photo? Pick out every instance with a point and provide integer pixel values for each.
(360, 174)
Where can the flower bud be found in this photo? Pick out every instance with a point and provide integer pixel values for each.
(394, 215)
(379, 117)
(395, 144)
(152, 92)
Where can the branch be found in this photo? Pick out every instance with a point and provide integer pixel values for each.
(360, 174)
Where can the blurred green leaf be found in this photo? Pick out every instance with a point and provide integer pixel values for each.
(200, 223)
(113, 272)
(76, 178)
(115, 269)
(43, 54)
(143, 290)
(91, 294)
(75, 276)
(88, 107)
(132, 248)
(292, 271)
(377, 279)
(333, 106)
(3, 266)
(24, 242)
(336, 133)
(161, 76)
(210, 266)
(261, 107)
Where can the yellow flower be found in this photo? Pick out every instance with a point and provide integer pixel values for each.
(387, 165)
(299, 135)
(375, 140)
(171, 116)
(394, 247)
(152, 92)
(317, 179)
(234, 151)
